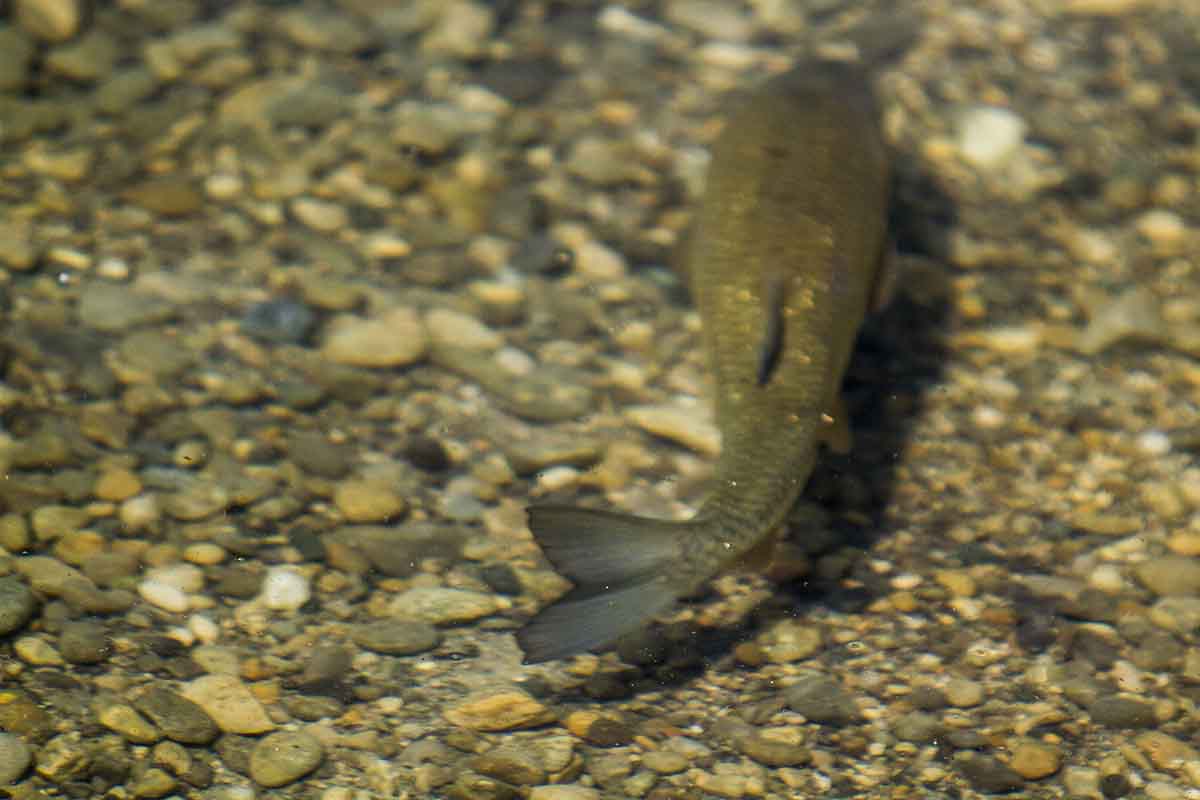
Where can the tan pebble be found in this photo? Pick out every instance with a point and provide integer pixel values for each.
(386, 245)
(1165, 500)
(37, 651)
(1164, 750)
(957, 582)
(320, 215)
(683, 425)
(578, 722)
(963, 693)
(394, 339)
(456, 329)
(79, 547)
(904, 602)
(116, 485)
(599, 262)
(1035, 760)
(502, 711)
(365, 501)
(206, 554)
(49, 20)
(1184, 543)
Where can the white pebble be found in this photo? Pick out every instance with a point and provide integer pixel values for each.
(555, 478)
(187, 578)
(204, 629)
(988, 137)
(163, 595)
(1161, 226)
(1107, 578)
(1154, 443)
(284, 589)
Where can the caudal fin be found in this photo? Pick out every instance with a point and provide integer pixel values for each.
(621, 566)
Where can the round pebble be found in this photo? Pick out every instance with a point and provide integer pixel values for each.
(17, 605)
(15, 758)
(285, 757)
(397, 637)
(285, 589)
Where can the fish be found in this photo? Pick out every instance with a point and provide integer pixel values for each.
(784, 260)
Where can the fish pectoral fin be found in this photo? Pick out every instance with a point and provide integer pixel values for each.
(770, 349)
(887, 277)
(835, 430)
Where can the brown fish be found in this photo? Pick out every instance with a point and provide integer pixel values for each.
(783, 261)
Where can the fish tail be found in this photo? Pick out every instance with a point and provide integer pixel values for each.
(622, 567)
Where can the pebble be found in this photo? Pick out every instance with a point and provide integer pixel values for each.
(1120, 711)
(164, 596)
(456, 329)
(51, 21)
(1168, 576)
(84, 643)
(285, 757)
(501, 711)
(15, 758)
(1175, 613)
(513, 764)
(917, 727)
(679, 424)
(180, 719)
(230, 704)
(1162, 227)
(285, 589)
(442, 606)
(279, 321)
(53, 522)
(320, 215)
(963, 693)
(17, 605)
(170, 196)
(598, 262)
(665, 762)
(987, 774)
(1035, 760)
(114, 307)
(1082, 782)
(820, 699)
(1165, 751)
(37, 651)
(790, 640)
(395, 339)
(125, 721)
(397, 637)
(564, 792)
(461, 29)
(712, 19)
(989, 138)
(604, 161)
(116, 485)
(367, 501)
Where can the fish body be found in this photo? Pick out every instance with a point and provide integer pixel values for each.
(783, 259)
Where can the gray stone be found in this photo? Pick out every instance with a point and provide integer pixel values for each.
(15, 758)
(177, 717)
(397, 637)
(285, 757)
(17, 605)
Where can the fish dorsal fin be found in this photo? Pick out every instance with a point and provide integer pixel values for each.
(770, 349)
